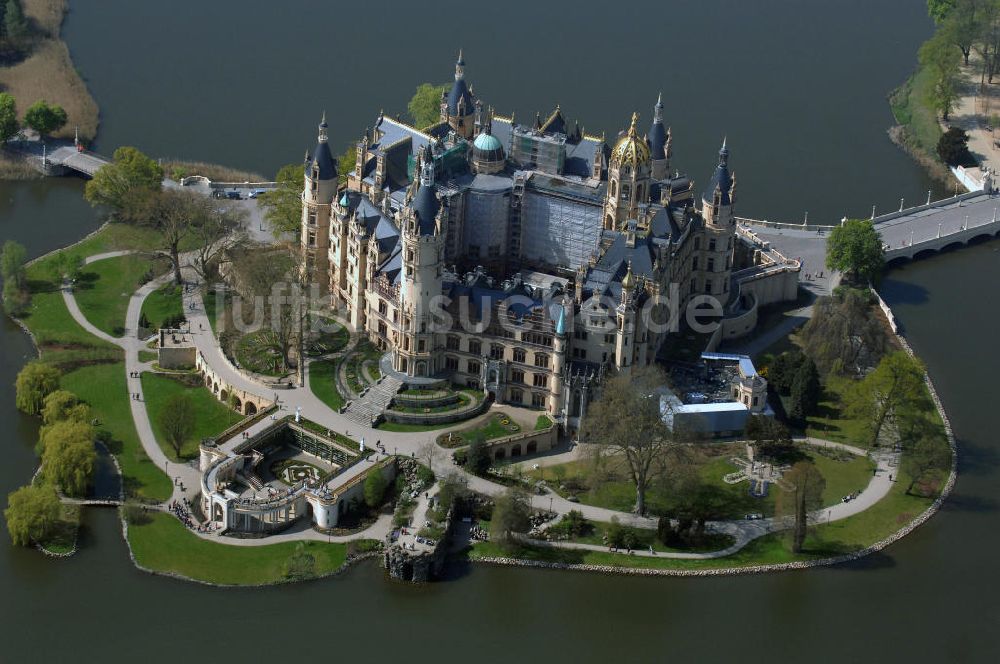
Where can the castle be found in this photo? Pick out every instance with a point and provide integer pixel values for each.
(526, 260)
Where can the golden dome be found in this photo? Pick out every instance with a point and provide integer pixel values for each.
(631, 148)
(629, 278)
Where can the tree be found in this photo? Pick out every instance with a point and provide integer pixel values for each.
(44, 117)
(375, 485)
(346, 163)
(217, 231)
(626, 426)
(953, 147)
(177, 421)
(8, 117)
(844, 335)
(477, 457)
(15, 25)
(12, 259)
(805, 391)
(781, 372)
(64, 405)
(283, 204)
(926, 454)
(962, 26)
(805, 495)
(15, 282)
(68, 455)
(175, 213)
(123, 184)
(511, 516)
(894, 389)
(425, 105)
(939, 56)
(939, 9)
(301, 564)
(35, 382)
(65, 266)
(31, 514)
(855, 248)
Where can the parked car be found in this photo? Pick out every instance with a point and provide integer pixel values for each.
(254, 193)
(234, 195)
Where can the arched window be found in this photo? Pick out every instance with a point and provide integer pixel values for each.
(614, 188)
(626, 190)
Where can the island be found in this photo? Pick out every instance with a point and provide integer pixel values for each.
(517, 343)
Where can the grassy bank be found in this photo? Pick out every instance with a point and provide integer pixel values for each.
(176, 169)
(211, 416)
(824, 541)
(918, 130)
(103, 387)
(94, 369)
(164, 545)
(163, 307)
(105, 287)
(323, 382)
(48, 73)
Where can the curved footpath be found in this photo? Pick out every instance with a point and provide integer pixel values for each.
(421, 445)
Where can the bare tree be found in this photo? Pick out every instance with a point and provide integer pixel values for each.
(217, 231)
(627, 427)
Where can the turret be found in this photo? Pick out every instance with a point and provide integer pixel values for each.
(458, 105)
(659, 140)
(718, 198)
(320, 188)
(423, 256)
(628, 178)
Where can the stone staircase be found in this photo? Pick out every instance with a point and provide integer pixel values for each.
(374, 402)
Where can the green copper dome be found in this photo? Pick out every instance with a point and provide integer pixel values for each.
(487, 143)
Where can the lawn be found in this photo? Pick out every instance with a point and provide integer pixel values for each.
(163, 307)
(165, 545)
(402, 427)
(831, 421)
(106, 286)
(323, 382)
(492, 428)
(770, 549)
(103, 387)
(612, 489)
(825, 540)
(542, 423)
(211, 416)
(215, 303)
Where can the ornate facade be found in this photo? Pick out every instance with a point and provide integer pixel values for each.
(525, 260)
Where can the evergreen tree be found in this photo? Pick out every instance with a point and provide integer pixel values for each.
(805, 391)
(8, 116)
(14, 24)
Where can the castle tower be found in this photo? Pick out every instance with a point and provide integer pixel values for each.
(423, 255)
(320, 189)
(720, 228)
(458, 105)
(340, 220)
(659, 140)
(559, 346)
(628, 178)
(625, 313)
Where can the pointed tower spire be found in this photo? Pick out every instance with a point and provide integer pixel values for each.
(323, 126)
(460, 66)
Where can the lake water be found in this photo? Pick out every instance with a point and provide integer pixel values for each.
(798, 86)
